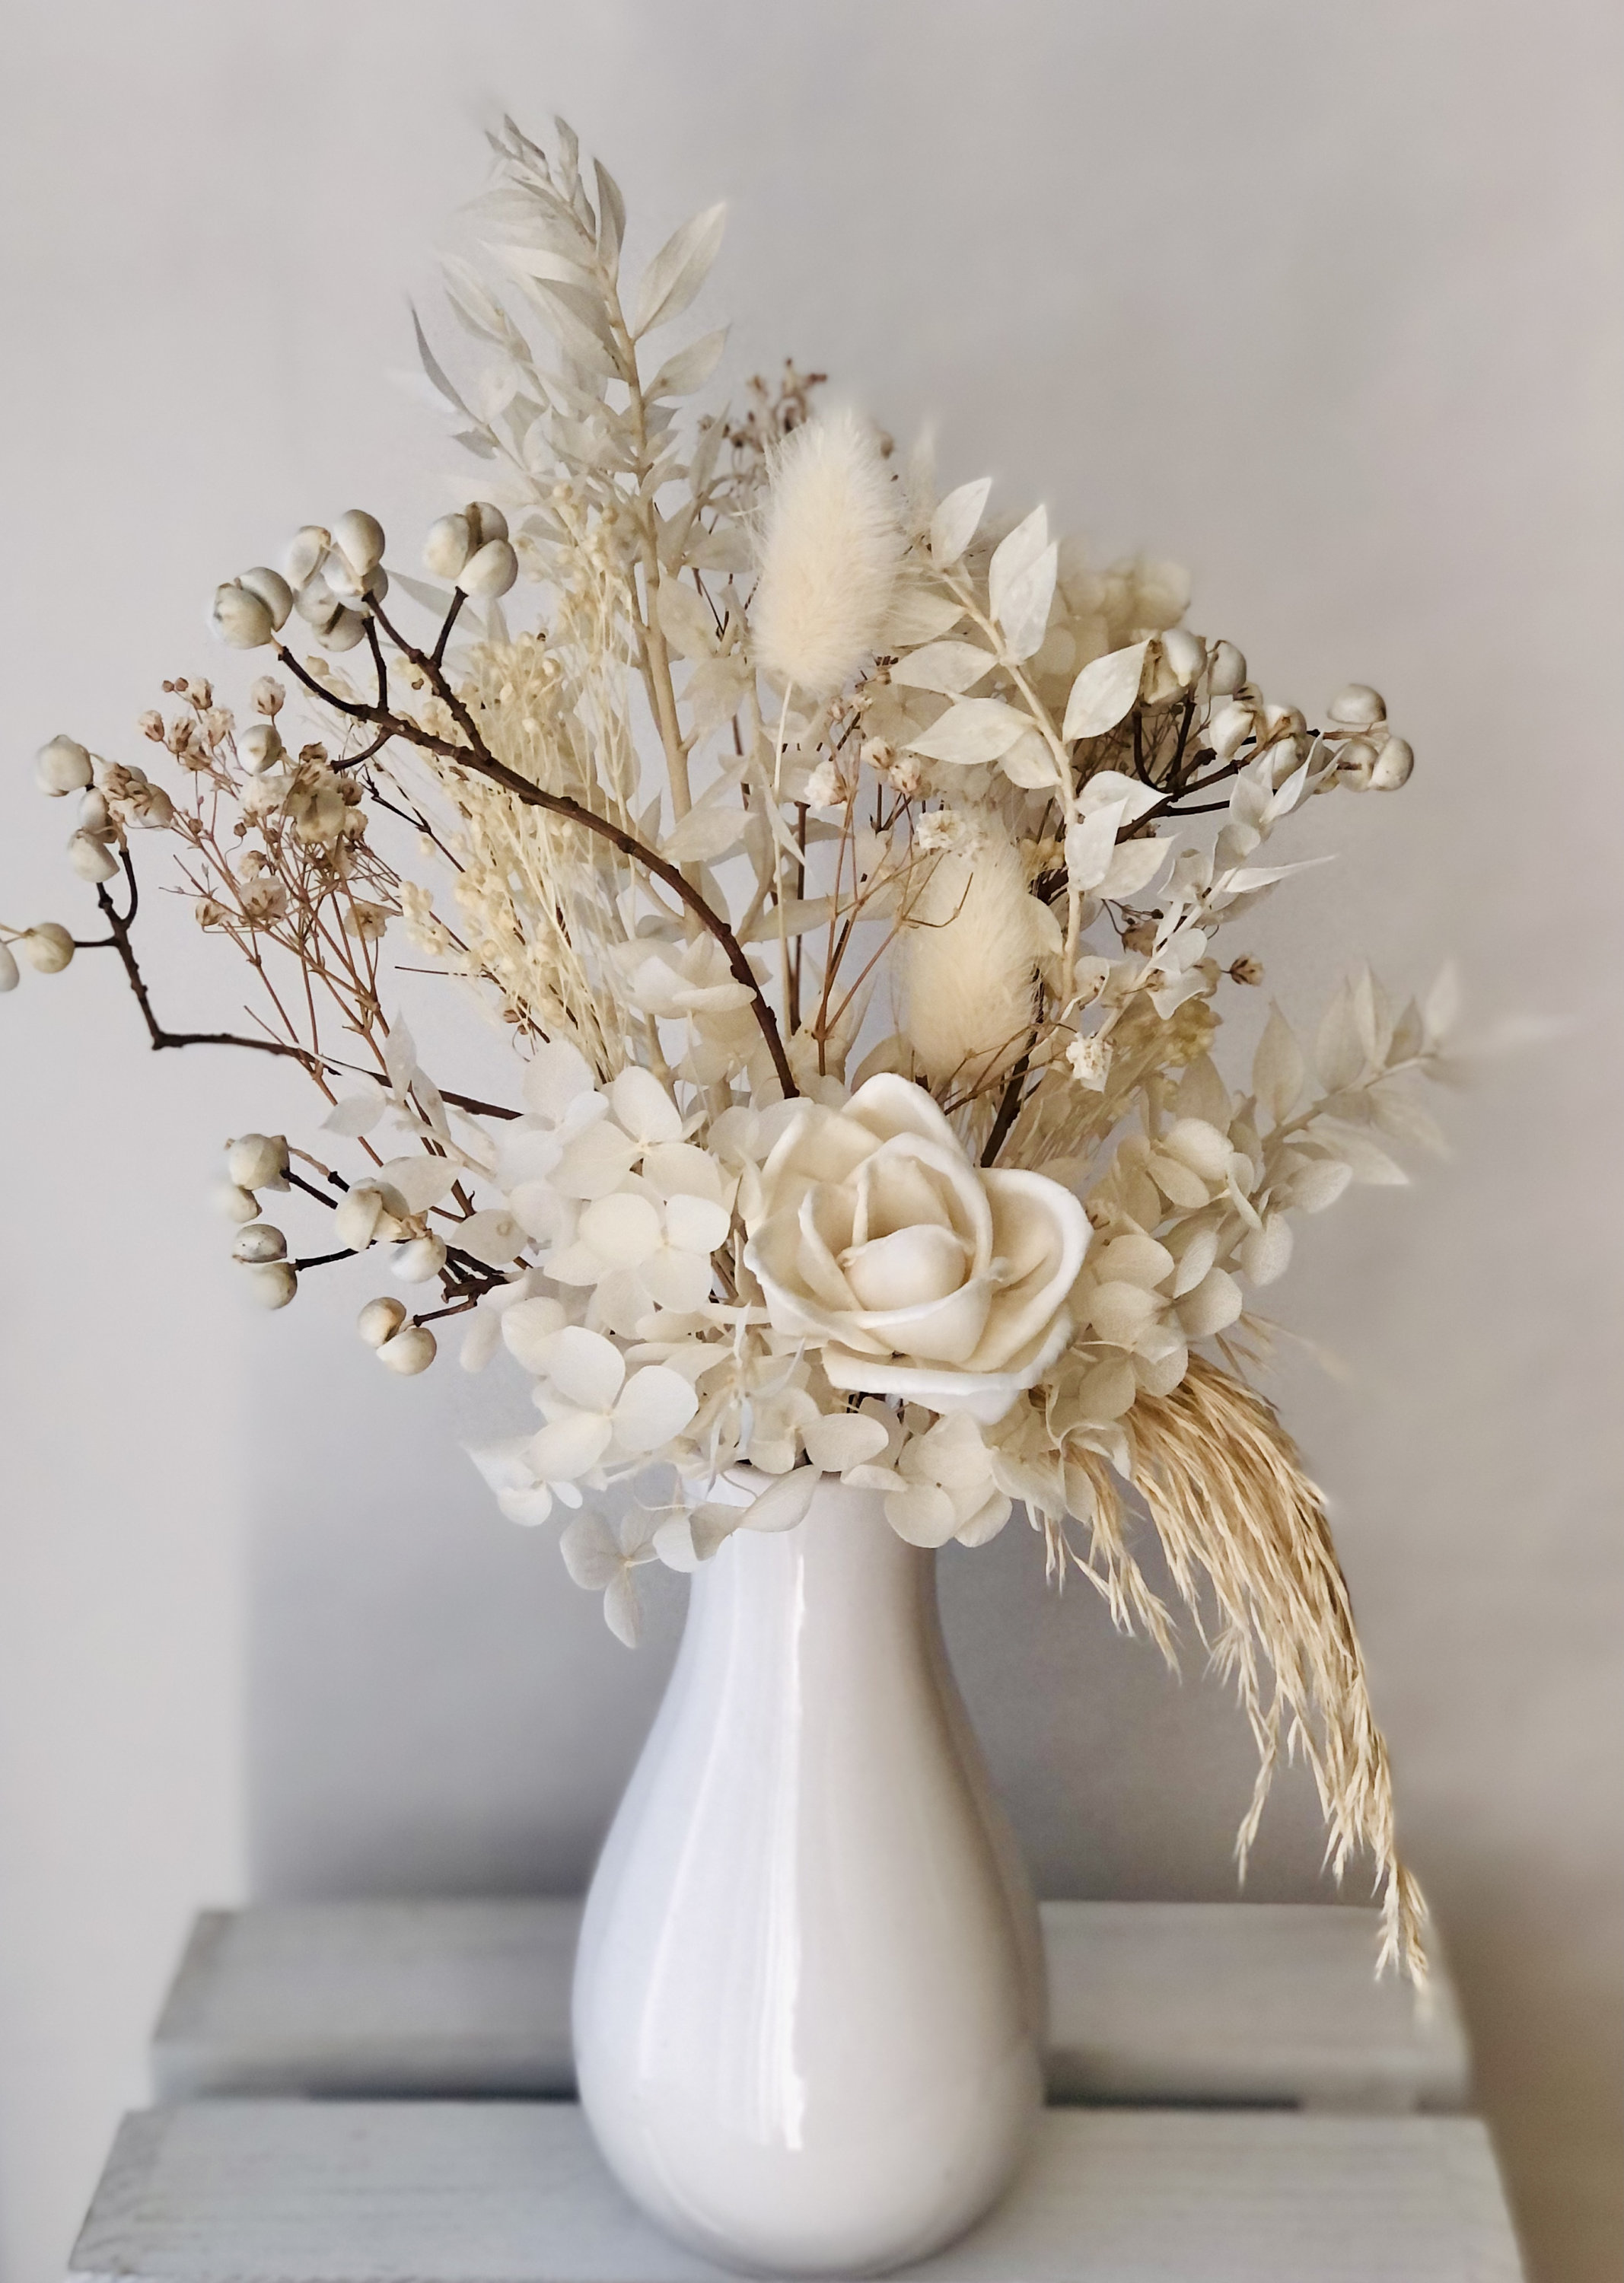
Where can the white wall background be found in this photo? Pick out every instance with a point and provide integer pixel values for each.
(1320, 299)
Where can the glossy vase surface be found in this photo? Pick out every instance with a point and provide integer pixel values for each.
(808, 2005)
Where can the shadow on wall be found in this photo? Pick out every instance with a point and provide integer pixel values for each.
(436, 1709)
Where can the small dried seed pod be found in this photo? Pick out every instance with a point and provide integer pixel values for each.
(381, 1320)
(258, 1161)
(257, 1242)
(240, 617)
(485, 522)
(272, 1283)
(315, 602)
(306, 551)
(11, 974)
(357, 1217)
(1227, 671)
(1185, 653)
(268, 695)
(411, 1349)
(272, 590)
(91, 859)
(1358, 706)
(62, 767)
(418, 1259)
(1393, 766)
(1356, 761)
(448, 546)
(48, 947)
(233, 1204)
(94, 814)
(359, 537)
(344, 633)
(1229, 730)
(259, 747)
(490, 571)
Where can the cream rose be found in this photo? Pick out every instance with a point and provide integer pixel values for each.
(918, 1274)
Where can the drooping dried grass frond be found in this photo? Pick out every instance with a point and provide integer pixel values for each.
(1236, 1512)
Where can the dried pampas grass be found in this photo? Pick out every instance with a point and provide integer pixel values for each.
(1232, 1505)
(966, 955)
(831, 545)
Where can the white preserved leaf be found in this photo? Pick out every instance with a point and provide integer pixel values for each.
(1278, 1070)
(1396, 1114)
(690, 368)
(919, 616)
(1103, 692)
(1133, 865)
(611, 217)
(1369, 1163)
(422, 1180)
(686, 621)
(1110, 789)
(1249, 880)
(1029, 762)
(1440, 1009)
(492, 1236)
(1025, 615)
(1319, 1184)
(678, 270)
(1373, 1016)
(1090, 846)
(784, 1503)
(1014, 555)
(1213, 1307)
(976, 729)
(954, 524)
(1265, 1253)
(1338, 1051)
(354, 1114)
(948, 667)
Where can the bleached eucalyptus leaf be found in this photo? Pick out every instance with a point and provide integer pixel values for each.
(678, 270)
(1278, 1071)
(1015, 554)
(948, 667)
(975, 729)
(691, 368)
(954, 524)
(1103, 692)
(1265, 1254)
(1213, 1307)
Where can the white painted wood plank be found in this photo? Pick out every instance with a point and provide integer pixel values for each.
(1149, 2001)
(253, 2192)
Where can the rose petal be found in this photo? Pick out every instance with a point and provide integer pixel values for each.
(907, 1269)
(986, 1395)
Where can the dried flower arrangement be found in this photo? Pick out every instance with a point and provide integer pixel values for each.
(826, 855)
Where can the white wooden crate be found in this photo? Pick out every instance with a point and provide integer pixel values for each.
(1191, 2002)
(510, 2192)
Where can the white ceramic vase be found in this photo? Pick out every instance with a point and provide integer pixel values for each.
(810, 2004)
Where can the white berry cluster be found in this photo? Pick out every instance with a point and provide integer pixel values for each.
(331, 578)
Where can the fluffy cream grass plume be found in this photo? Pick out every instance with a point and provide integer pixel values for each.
(966, 952)
(1231, 1504)
(831, 546)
